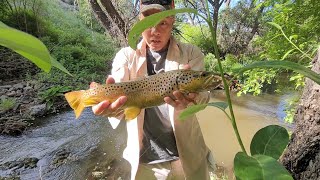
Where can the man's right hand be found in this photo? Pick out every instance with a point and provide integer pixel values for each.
(107, 108)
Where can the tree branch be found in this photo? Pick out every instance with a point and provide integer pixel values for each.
(115, 17)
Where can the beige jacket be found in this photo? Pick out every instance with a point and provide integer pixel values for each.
(193, 153)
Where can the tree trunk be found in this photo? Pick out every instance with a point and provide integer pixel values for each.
(110, 21)
(115, 17)
(101, 16)
(302, 156)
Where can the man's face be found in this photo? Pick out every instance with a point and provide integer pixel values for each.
(157, 37)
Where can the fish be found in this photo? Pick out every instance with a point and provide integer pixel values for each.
(144, 92)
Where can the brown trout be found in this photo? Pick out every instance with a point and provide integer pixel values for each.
(144, 92)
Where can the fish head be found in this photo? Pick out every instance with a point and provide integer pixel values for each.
(196, 81)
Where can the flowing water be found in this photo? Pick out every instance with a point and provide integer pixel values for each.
(71, 149)
(251, 112)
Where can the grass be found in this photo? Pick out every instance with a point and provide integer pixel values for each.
(7, 104)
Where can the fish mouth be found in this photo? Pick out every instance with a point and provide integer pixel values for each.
(212, 81)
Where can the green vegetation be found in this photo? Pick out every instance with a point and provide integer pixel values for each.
(197, 35)
(53, 94)
(7, 104)
(85, 52)
(82, 51)
(293, 35)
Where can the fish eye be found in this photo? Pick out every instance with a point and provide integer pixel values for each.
(204, 74)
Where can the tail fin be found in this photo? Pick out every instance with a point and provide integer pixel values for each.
(75, 101)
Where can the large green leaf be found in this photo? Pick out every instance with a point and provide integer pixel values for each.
(151, 21)
(259, 167)
(199, 107)
(221, 105)
(282, 64)
(287, 53)
(270, 141)
(26, 45)
(189, 111)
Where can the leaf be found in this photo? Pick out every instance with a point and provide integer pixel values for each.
(315, 50)
(189, 111)
(270, 141)
(275, 25)
(293, 37)
(2, 25)
(26, 45)
(152, 21)
(282, 64)
(259, 167)
(221, 105)
(287, 53)
(56, 64)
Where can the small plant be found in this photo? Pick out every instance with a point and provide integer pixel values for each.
(210, 62)
(53, 94)
(7, 104)
(290, 108)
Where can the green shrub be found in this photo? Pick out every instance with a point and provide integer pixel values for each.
(53, 94)
(84, 52)
(7, 104)
(23, 15)
(210, 62)
(291, 106)
(197, 35)
(256, 79)
(230, 62)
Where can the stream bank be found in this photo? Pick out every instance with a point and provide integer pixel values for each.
(23, 105)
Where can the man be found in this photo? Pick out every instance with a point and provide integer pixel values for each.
(159, 146)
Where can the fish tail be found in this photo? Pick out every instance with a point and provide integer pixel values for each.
(75, 101)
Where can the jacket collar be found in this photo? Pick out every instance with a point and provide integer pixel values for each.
(173, 54)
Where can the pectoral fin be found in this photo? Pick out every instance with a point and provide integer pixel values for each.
(131, 113)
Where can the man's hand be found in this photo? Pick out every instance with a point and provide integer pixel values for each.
(181, 100)
(108, 109)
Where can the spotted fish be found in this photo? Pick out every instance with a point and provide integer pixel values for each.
(144, 92)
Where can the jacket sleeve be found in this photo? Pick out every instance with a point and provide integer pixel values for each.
(120, 71)
(196, 58)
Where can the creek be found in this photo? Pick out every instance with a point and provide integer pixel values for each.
(251, 112)
(67, 149)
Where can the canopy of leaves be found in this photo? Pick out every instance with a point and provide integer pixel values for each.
(299, 19)
(197, 35)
